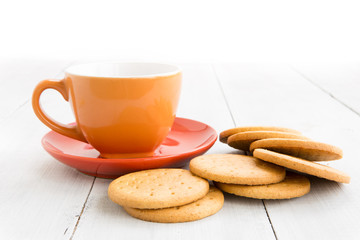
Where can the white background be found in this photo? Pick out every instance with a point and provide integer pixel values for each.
(206, 31)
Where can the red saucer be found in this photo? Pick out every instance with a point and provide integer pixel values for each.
(187, 139)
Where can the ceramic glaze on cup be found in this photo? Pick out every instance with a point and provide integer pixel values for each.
(124, 110)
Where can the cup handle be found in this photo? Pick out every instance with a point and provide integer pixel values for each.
(58, 85)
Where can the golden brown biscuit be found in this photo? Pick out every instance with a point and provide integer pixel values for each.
(243, 140)
(302, 165)
(294, 185)
(157, 188)
(204, 207)
(306, 149)
(237, 169)
(227, 133)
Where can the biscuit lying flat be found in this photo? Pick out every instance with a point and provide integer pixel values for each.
(303, 166)
(294, 185)
(158, 188)
(227, 133)
(236, 169)
(204, 207)
(306, 149)
(243, 140)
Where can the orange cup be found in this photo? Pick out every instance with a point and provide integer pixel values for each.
(124, 110)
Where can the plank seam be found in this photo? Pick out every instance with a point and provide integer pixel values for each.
(268, 216)
(223, 94)
(233, 119)
(324, 90)
(16, 110)
(82, 210)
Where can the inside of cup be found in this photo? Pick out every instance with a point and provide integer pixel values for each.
(112, 69)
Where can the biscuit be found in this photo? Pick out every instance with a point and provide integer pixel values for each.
(294, 185)
(227, 133)
(243, 140)
(236, 169)
(204, 207)
(157, 188)
(303, 166)
(306, 149)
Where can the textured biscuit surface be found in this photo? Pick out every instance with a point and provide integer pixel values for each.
(243, 140)
(294, 185)
(302, 165)
(236, 169)
(306, 149)
(227, 133)
(204, 207)
(157, 188)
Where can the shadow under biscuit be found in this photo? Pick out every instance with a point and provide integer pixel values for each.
(323, 187)
(240, 152)
(239, 200)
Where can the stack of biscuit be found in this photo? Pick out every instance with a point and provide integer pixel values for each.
(178, 195)
(166, 195)
(263, 175)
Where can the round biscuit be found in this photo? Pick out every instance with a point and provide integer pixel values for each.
(227, 133)
(305, 149)
(302, 165)
(236, 169)
(243, 140)
(204, 207)
(157, 188)
(294, 185)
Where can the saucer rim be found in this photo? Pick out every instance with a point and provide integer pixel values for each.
(211, 141)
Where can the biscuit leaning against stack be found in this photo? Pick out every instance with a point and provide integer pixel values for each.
(165, 195)
(287, 148)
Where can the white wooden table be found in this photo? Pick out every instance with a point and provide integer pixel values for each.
(40, 198)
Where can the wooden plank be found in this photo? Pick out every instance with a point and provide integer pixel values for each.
(342, 81)
(277, 95)
(240, 218)
(18, 78)
(40, 198)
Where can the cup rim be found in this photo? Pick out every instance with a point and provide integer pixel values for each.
(172, 69)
